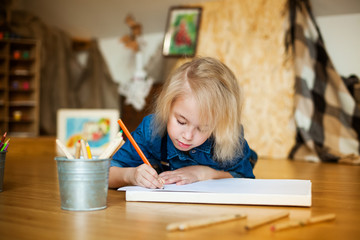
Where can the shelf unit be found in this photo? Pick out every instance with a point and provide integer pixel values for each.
(19, 87)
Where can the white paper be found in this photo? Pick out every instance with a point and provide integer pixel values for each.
(229, 191)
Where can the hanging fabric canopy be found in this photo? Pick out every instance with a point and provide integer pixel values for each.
(326, 114)
(64, 82)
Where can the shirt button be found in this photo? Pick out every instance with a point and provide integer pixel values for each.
(193, 151)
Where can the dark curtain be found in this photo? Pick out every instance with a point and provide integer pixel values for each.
(64, 83)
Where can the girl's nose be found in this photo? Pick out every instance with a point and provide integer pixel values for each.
(188, 134)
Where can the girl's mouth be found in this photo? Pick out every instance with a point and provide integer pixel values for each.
(183, 145)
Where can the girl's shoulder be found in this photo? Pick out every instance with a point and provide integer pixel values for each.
(147, 122)
(146, 127)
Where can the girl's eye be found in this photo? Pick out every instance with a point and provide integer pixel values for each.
(180, 122)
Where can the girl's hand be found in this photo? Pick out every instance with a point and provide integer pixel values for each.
(145, 176)
(192, 174)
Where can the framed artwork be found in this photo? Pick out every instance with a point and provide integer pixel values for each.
(182, 31)
(98, 126)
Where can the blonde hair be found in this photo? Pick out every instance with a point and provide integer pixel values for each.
(219, 96)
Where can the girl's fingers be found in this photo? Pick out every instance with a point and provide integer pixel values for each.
(170, 179)
(147, 177)
(151, 181)
(180, 176)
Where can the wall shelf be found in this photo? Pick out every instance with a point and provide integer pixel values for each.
(19, 86)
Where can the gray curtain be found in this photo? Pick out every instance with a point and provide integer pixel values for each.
(64, 83)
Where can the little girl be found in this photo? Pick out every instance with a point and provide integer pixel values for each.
(195, 133)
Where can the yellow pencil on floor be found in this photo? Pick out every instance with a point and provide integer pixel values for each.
(301, 223)
(265, 220)
(196, 223)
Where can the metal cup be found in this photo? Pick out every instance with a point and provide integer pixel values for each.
(2, 169)
(83, 183)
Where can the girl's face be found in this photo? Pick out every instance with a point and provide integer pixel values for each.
(183, 126)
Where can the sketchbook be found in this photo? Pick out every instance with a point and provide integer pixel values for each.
(278, 192)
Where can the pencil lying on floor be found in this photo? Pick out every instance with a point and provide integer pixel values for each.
(132, 140)
(301, 223)
(196, 223)
(268, 219)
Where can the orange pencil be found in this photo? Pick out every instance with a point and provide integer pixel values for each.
(132, 140)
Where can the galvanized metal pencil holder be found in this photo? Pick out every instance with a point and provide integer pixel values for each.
(2, 169)
(83, 183)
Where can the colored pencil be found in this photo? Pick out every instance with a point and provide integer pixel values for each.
(112, 146)
(268, 219)
(117, 149)
(83, 149)
(301, 223)
(77, 149)
(88, 150)
(132, 140)
(5, 145)
(63, 149)
(196, 223)
(5, 149)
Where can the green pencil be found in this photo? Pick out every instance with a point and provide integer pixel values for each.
(5, 144)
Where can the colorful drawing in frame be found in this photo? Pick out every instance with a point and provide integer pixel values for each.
(182, 32)
(97, 126)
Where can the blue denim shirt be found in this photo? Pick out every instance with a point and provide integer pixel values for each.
(201, 155)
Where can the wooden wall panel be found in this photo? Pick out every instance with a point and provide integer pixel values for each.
(248, 36)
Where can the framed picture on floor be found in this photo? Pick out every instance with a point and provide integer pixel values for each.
(182, 30)
(97, 126)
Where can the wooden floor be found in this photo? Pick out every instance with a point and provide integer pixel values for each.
(30, 204)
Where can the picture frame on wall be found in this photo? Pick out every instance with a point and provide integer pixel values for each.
(97, 126)
(182, 30)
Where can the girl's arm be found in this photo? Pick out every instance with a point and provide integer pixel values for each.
(142, 175)
(192, 174)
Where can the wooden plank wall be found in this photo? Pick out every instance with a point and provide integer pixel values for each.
(249, 36)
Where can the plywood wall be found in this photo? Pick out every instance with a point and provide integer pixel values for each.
(248, 36)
